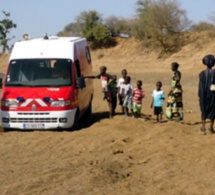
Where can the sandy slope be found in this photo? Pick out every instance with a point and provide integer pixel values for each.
(121, 155)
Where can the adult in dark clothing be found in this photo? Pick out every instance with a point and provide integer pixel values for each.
(206, 96)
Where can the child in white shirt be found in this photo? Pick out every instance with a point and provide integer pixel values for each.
(120, 91)
(126, 88)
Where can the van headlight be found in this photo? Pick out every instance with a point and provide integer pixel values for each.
(9, 103)
(60, 103)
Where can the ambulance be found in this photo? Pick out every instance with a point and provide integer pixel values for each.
(44, 87)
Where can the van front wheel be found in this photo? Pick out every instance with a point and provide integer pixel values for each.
(6, 129)
(75, 126)
(88, 113)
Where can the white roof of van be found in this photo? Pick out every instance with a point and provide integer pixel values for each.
(53, 47)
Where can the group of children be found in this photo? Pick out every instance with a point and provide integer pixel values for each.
(130, 99)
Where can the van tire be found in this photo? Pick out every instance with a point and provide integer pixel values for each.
(5, 129)
(88, 112)
(75, 126)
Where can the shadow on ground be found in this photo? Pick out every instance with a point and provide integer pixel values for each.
(96, 117)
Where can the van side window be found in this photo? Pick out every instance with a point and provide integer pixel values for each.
(77, 68)
(88, 55)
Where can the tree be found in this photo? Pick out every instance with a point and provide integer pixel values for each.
(72, 29)
(84, 22)
(101, 36)
(94, 30)
(202, 26)
(89, 20)
(212, 18)
(112, 24)
(118, 25)
(5, 26)
(162, 22)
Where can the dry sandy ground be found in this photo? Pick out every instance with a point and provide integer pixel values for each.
(123, 155)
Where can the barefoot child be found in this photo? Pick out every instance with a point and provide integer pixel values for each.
(158, 97)
(128, 97)
(138, 95)
(105, 80)
(120, 92)
(112, 95)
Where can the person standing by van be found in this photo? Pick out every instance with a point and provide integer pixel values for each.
(106, 79)
(158, 97)
(128, 96)
(120, 92)
(174, 108)
(206, 95)
(112, 95)
(138, 95)
(122, 79)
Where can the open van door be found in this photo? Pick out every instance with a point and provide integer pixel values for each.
(1, 83)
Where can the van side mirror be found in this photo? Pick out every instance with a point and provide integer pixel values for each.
(80, 83)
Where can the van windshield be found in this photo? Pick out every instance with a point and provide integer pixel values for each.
(39, 72)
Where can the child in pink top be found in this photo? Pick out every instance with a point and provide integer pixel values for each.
(138, 95)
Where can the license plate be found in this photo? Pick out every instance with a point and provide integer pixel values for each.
(33, 126)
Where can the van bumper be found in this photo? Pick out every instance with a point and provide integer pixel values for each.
(38, 120)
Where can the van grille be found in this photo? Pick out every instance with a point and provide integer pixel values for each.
(33, 120)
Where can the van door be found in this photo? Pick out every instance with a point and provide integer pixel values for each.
(81, 92)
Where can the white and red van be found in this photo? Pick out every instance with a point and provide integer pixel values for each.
(43, 87)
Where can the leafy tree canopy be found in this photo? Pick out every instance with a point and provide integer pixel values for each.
(162, 21)
(5, 26)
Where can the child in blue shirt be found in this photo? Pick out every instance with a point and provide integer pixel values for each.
(158, 97)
